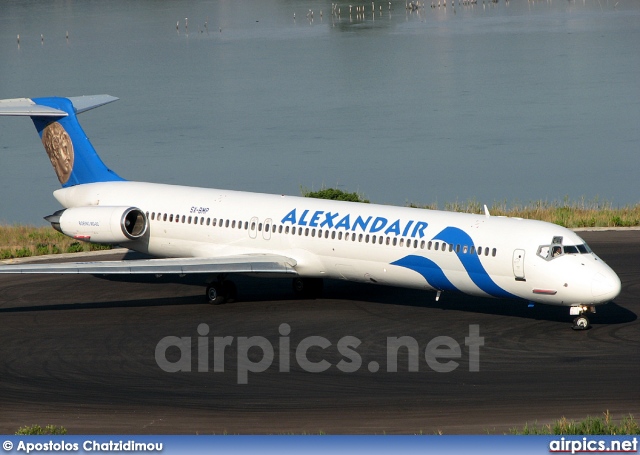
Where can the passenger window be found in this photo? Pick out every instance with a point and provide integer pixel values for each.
(171, 218)
(339, 235)
(422, 244)
(333, 235)
(415, 243)
(472, 250)
(164, 217)
(486, 251)
(373, 238)
(429, 245)
(353, 237)
(493, 252)
(208, 221)
(286, 230)
(465, 249)
(395, 241)
(189, 220)
(226, 223)
(436, 246)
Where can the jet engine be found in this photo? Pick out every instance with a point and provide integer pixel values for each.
(101, 224)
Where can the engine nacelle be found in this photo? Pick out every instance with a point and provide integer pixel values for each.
(101, 224)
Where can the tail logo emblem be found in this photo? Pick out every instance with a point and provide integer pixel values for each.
(59, 147)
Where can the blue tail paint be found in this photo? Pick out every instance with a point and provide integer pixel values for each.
(73, 157)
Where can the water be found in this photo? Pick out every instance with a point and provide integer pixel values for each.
(517, 101)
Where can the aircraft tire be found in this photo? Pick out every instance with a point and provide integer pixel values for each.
(214, 294)
(581, 323)
(230, 291)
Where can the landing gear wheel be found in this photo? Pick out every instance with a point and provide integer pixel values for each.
(307, 288)
(230, 291)
(222, 292)
(581, 323)
(215, 294)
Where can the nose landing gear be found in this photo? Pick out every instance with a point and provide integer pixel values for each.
(581, 322)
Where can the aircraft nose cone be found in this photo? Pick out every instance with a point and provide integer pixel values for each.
(605, 287)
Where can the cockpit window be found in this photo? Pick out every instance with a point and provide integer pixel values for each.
(584, 249)
(543, 252)
(570, 249)
(549, 252)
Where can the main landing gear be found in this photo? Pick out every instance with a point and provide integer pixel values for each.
(581, 322)
(221, 291)
(307, 288)
(224, 291)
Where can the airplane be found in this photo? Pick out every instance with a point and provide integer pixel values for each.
(221, 233)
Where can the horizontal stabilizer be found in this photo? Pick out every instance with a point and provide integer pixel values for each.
(27, 107)
(85, 103)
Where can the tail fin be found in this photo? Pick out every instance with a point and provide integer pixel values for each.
(73, 157)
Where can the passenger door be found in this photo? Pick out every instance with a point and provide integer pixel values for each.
(518, 265)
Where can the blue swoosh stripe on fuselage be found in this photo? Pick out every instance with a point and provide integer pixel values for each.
(471, 262)
(429, 270)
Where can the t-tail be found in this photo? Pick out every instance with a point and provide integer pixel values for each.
(74, 159)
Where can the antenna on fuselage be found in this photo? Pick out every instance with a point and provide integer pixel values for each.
(486, 211)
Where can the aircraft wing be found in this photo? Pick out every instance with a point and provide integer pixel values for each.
(245, 263)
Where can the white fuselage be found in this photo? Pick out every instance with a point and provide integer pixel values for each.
(417, 248)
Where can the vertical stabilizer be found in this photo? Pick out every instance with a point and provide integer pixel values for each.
(72, 156)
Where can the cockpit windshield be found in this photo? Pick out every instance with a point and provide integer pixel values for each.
(557, 249)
